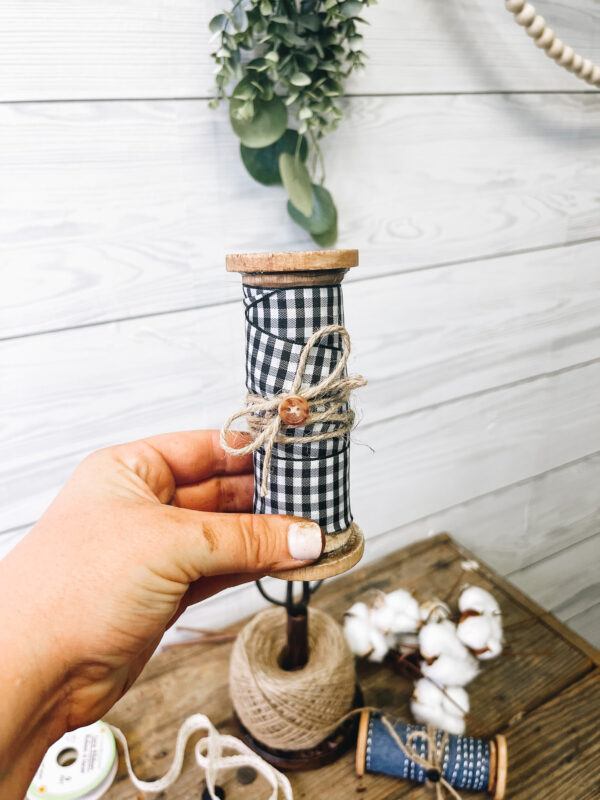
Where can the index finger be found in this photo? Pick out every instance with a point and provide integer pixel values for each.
(194, 456)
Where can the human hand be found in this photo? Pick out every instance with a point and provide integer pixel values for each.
(139, 532)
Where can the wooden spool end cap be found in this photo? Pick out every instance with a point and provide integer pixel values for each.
(501, 770)
(361, 743)
(292, 261)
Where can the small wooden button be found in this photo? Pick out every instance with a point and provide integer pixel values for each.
(294, 410)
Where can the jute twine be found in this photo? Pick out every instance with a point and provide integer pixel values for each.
(328, 402)
(297, 709)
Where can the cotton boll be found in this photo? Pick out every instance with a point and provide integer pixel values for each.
(380, 644)
(493, 649)
(437, 717)
(436, 638)
(357, 631)
(474, 598)
(406, 609)
(475, 631)
(455, 700)
(449, 671)
(358, 610)
(383, 618)
(427, 693)
(496, 623)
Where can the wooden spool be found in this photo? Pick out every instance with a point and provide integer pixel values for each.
(498, 758)
(282, 271)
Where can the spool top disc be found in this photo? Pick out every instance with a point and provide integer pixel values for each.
(293, 261)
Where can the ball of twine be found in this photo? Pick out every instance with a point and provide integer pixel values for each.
(291, 710)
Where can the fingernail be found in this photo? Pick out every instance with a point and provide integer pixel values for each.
(305, 541)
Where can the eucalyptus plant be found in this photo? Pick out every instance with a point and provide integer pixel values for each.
(288, 60)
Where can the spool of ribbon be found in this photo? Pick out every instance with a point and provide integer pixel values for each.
(426, 755)
(297, 405)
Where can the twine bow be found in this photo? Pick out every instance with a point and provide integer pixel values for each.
(432, 763)
(326, 403)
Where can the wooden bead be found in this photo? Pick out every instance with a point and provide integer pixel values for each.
(536, 28)
(576, 64)
(586, 69)
(294, 410)
(545, 39)
(556, 49)
(526, 15)
(566, 57)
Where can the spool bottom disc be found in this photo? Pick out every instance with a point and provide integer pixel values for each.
(328, 751)
(80, 766)
(329, 564)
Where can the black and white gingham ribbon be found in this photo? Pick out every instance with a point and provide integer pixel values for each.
(306, 479)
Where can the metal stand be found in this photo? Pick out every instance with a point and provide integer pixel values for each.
(295, 655)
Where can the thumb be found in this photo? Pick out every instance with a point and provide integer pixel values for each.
(219, 544)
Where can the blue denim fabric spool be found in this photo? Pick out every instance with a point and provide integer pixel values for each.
(466, 763)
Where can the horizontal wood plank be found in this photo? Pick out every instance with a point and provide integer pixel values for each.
(93, 49)
(515, 527)
(92, 387)
(113, 210)
(566, 582)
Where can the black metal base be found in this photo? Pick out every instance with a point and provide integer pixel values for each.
(328, 751)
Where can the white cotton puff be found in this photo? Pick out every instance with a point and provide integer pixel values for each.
(427, 693)
(380, 644)
(476, 631)
(382, 616)
(433, 611)
(438, 718)
(436, 638)
(396, 612)
(407, 610)
(357, 631)
(494, 648)
(450, 699)
(474, 598)
(362, 635)
(358, 610)
(449, 671)
(456, 700)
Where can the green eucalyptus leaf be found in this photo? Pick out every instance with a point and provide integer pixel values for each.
(311, 21)
(266, 125)
(300, 79)
(217, 23)
(296, 180)
(263, 162)
(240, 20)
(327, 239)
(323, 216)
(350, 8)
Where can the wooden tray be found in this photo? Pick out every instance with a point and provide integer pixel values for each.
(544, 695)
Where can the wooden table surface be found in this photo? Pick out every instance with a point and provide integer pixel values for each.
(543, 693)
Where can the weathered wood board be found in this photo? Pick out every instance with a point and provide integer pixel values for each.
(147, 48)
(114, 210)
(544, 662)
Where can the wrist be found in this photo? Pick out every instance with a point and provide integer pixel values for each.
(32, 680)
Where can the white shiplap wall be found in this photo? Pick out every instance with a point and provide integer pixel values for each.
(467, 171)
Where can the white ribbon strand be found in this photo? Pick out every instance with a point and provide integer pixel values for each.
(210, 758)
